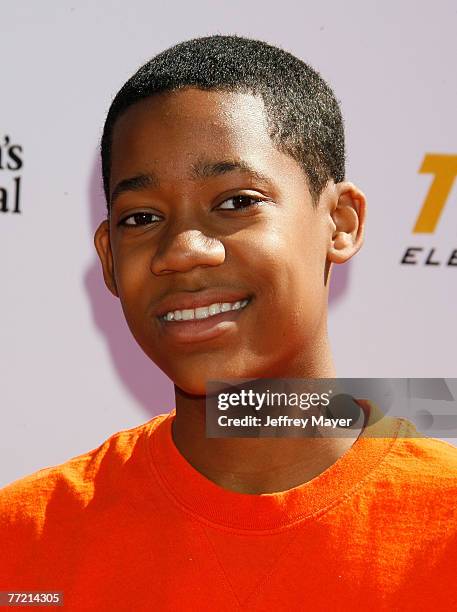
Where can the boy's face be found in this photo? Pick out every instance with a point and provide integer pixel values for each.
(225, 217)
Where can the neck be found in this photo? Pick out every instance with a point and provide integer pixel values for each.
(258, 465)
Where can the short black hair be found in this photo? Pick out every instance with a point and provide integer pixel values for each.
(303, 114)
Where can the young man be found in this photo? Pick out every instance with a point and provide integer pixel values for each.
(223, 168)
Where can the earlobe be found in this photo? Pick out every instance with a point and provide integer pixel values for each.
(103, 247)
(348, 216)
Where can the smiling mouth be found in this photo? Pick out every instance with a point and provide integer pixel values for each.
(205, 323)
(203, 312)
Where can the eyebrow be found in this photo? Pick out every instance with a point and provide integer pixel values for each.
(201, 169)
(139, 182)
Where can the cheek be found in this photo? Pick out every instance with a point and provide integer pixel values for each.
(131, 283)
(286, 263)
(289, 273)
(133, 277)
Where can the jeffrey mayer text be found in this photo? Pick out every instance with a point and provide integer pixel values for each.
(282, 421)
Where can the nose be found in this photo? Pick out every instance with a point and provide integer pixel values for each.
(186, 250)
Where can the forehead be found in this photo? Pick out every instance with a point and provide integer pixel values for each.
(195, 110)
(168, 134)
(177, 123)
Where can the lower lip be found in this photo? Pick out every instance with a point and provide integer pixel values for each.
(199, 330)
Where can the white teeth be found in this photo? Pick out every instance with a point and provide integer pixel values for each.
(203, 312)
(214, 309)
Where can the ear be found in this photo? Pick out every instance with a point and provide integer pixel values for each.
(348, 216)
(103, 246)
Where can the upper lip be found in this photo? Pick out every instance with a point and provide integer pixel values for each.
(186, 299)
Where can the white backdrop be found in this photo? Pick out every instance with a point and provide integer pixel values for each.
(71, 375)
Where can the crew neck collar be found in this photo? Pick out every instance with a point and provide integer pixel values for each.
(202, 498)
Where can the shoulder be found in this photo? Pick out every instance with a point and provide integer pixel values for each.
(70, 486)
(421, 471)
(424, 457)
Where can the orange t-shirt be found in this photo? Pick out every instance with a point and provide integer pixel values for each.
(131, 525)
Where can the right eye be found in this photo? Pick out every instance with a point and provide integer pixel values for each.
(139, 218)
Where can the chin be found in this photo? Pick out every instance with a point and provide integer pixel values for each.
(191, 373)
(194, 380)
(190, 385)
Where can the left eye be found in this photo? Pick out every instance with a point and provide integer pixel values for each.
(139, 218)
(238, 202)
